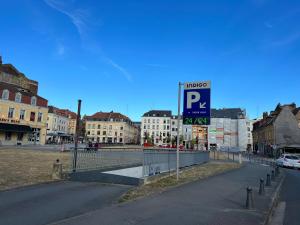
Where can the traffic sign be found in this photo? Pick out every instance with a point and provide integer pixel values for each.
(196, 109)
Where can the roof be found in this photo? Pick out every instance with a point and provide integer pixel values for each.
(269, 119)
(31, 85)
(158, 113)
(232, 113)
(107, 116)
(62, 112)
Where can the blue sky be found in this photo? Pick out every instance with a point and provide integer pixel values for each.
(129, 56)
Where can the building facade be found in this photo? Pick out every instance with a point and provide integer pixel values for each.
(23, 113)
(111, 128)
(230, 128)
(156, 127)
(277, 129)
(61, 125)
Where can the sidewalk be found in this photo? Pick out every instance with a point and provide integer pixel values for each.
(219, 200)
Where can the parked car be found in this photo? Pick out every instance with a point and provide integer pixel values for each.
(288, 160)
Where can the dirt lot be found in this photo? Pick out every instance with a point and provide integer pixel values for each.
(24, 167)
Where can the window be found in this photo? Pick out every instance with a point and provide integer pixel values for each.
(153, 121)
(22, 114)
(93, 126)
(157, 127)
(89, 126)
(18, 97)
(33, 100)
(104, 132)
(121, 139)
(5, 94)
(248, 128)
(98, 132)
(110, 127)
(116, 133)
(148, 120)
(99, 126)
(11, 112)
(121, 134)
(153, 127)
(32, 116)
(157, 120)
(121, 128)
(20, 136)
(7, 136)
(40, 116)
(88, 132)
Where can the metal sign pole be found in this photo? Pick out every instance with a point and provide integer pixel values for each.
(76, 136)
(178, 138)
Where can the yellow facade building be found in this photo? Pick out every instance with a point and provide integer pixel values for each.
(111, 128)
(23, 114)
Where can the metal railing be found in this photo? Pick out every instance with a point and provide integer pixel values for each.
(92, 159)
(159, 161)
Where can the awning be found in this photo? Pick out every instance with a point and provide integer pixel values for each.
(14, 128)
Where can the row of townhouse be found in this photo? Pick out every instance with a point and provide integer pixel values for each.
(25, 117)
(228, 128)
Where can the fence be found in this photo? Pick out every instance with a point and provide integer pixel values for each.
(106, 159)
(159, 161)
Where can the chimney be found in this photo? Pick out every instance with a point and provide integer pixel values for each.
(265, 115)
(0, 60)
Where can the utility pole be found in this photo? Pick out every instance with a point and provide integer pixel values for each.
(76, 136)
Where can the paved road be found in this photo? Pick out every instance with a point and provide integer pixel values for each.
(43, 204)
(290, 195)
(216, 200)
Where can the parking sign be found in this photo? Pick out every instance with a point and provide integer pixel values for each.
(196, 109)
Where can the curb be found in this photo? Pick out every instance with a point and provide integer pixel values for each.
(274, 201)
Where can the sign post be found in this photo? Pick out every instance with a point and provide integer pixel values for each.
(178, 138)
(196, 110)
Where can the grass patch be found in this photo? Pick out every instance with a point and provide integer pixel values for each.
(25, 167)
(186, 176)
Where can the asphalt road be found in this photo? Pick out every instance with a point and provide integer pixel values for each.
(290, 195)
(47, 203)
(213, 201)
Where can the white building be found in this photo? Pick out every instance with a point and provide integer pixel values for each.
(57, 126)
(156, 127)
(174, 129)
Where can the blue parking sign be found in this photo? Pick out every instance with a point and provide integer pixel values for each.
(196, 110)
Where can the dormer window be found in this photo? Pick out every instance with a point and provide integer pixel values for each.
(5, 94)
(33, 100)
(18, 97)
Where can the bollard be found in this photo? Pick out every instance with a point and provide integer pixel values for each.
(273, 176)
(268, 182)
(249, 201)
(57, 170)
(262, 186)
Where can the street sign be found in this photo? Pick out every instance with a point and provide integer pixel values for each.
(196, 109)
